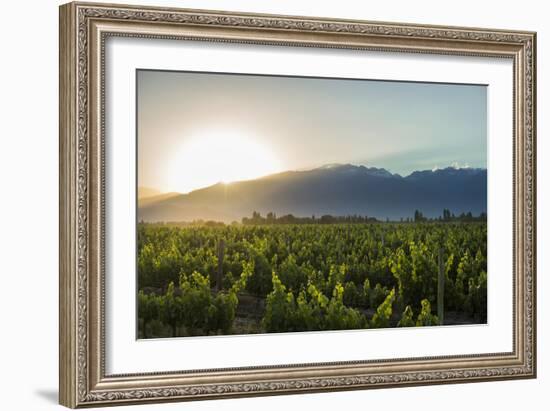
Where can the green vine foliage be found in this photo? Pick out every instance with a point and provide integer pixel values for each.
(381, 318)
(305, 277)
(310, 310)
(407, 318)
(426, 318)
(476, 301)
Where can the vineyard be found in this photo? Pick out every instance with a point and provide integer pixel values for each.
(243, 279)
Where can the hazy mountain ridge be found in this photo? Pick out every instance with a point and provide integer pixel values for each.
(148, 200)
(336, 189)
(145, 192)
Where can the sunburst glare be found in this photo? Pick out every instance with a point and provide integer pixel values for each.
(212, 157)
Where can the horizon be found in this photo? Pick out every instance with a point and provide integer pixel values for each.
(159, 192)
(463, 217)
(293, 218)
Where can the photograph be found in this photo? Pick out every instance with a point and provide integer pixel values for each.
(277, 204)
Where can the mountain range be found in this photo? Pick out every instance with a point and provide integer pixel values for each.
(335, 189)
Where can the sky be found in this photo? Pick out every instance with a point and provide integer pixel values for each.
(198, 129)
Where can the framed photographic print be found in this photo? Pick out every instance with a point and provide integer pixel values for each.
(260, 204)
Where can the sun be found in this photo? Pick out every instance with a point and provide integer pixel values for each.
(219, 157)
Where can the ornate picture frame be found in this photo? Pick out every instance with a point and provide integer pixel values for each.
(84, 29)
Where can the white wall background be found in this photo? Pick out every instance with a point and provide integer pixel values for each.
(29, 187)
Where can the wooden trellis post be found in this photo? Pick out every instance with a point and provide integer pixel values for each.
(440, 288)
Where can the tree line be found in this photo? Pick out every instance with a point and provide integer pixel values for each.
(271, 218)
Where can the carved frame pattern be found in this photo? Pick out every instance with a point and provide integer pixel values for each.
(82, 378)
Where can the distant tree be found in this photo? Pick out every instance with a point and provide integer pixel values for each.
(256, 217)
(418, 217)
(272, 219)
(327, 219)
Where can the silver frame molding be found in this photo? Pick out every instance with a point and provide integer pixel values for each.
(83, 30)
